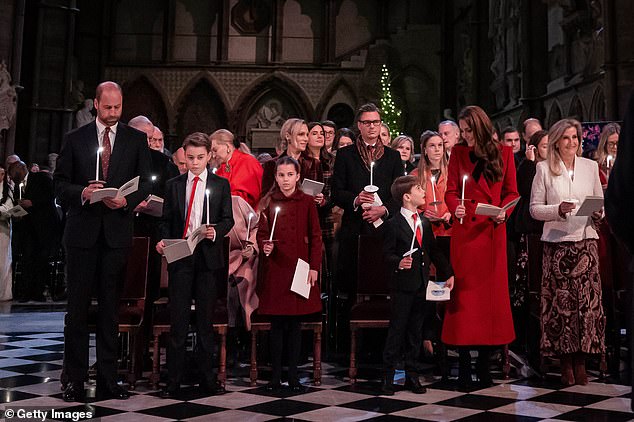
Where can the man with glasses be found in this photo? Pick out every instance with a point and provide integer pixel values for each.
(361, 214)
(329, 133)
(157, 142)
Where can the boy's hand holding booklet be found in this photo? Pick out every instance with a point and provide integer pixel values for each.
(152, 205)
(176, 249)
(493, 211)
(125, 190)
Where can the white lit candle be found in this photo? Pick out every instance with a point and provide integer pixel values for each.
(464, 182)
(277, 210)
(154, 178)
(372, 173)
(99, 150)
(433, 187)
(608, 161)
(248, 226)
(207, 193)
(416, 223)
(20, 187)
(214, 170)
(571, 174)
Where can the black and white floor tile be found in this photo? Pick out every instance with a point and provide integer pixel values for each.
(30, 368)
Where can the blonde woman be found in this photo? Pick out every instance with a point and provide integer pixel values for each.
(572, 318)
(405, 146)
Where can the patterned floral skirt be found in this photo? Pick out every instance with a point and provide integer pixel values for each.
(572, 318)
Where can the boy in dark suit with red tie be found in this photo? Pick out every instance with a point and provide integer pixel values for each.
(184, 210)
(409, 276)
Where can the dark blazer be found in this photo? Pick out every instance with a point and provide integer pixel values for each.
(172, 222)
(350, 177)
(76, 167)
(162, 167)
(42, 216)
(397, 240)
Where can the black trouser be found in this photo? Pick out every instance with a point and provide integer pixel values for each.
(34, 251)
(482, 362)
(99, 269)
(288, 326)
(190, 276)
(405, 332)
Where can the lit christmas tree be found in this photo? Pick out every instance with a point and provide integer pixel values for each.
(391, 114)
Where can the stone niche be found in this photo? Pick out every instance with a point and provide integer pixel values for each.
(264, 139)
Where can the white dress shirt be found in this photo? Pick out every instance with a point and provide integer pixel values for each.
(196, 216)
(549, 191)
(101, 128)
(408, 217)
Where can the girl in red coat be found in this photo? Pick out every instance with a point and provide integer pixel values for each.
(478, 316)
(297, 235)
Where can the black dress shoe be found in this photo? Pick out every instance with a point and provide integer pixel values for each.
(112, 390)
(213, 388)
(387, 384)
(171, 391)
(74, 391)
(413, 384)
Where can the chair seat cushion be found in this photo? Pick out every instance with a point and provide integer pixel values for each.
(376, 310)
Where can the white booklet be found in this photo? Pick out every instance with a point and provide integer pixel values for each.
(377, 203)
(300, 279)
(176, 249)
(312, 187)
(126, 189)
(17, 211)
(154, 206)
(437, 291)
(492, 210)
(590, 205)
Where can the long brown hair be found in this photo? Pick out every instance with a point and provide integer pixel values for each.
(485, 147)
(602, 150)
(424, 164)
(266, 199)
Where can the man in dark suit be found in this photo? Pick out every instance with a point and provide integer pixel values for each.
(409, 276)
(37, 233)
(98, 237)
(351, 175)
(184, 211)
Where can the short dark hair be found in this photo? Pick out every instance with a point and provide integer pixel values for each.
(329, 123)
(509, 129)
(401, 186)
(366, 108)
(197, 139)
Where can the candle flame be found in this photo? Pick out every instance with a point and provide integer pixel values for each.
(277, 209)
(214, 170)
(153, 178)
(100, 150)
(433, 179)
(207, 192)
(250, 215)
(372, 164)
(465, 177)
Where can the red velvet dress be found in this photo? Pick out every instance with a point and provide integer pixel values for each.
(479, 312)
(244, 173)
(297, 235)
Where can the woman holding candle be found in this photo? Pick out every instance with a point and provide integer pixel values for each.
(572, 318)
(607, 149)
(298, 237)
(478, 316)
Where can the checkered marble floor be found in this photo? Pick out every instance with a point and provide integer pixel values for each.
(30, 367)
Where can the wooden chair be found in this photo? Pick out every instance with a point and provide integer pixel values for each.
(260, 323)
(161, 320)
(131, 307)
(372, 307)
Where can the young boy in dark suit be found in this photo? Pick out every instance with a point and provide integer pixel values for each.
(184, 210)
(409, 277)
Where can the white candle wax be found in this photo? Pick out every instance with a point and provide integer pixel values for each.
(248, 226)
(571, 175)
(99, 150)
(207, 193)
(464, 182)
(372, 173)
(414, 235)
(433, 186)
(608, 161)
(20, 191)
(277, 210)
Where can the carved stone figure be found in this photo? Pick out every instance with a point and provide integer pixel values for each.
(8, 98)
(84, 116)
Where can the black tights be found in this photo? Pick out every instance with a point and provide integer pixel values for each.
(482, 362)
(290, 324)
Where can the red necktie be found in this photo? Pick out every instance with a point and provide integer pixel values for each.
(419, 233)
(189, 206)
(106, 153)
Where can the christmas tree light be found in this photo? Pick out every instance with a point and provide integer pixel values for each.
(391, 114)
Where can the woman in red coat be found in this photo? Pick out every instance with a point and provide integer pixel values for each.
(297, 235)
(478, 316)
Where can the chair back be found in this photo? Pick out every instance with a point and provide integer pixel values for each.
(372, 277)
(135, 282)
